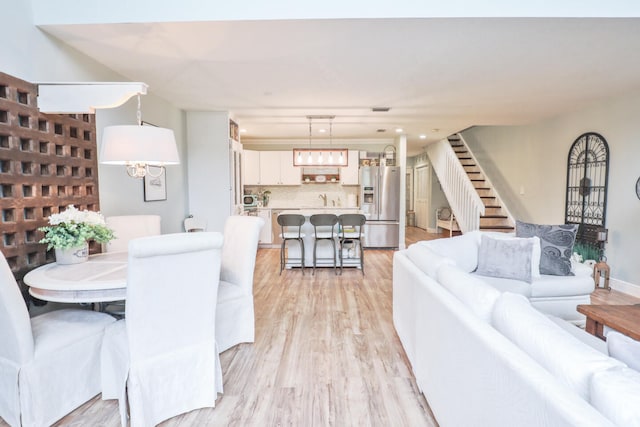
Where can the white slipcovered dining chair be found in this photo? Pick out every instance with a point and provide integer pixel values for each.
(193, 224)
(127, 227)
(235, 319)
(50, 364)
(162, 360)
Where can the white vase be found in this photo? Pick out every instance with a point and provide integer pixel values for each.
(73, 255)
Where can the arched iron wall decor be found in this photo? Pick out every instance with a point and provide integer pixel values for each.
(587, 181)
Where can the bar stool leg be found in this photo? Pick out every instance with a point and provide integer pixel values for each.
(361, 256)
(315, 245)
(302, 252)
(333, 243)
(282, 248)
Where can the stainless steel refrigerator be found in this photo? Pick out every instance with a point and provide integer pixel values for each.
(380, 200)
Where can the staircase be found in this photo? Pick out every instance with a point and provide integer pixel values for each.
(495, 217)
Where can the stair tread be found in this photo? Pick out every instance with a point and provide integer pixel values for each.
(493, 216)
(497, 227)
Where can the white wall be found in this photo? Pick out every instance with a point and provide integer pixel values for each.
(31, 55)
(209, 167)
(534, 158)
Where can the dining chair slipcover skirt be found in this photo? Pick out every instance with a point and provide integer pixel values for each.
(351, 230)
(161, 360)
(324, 230)
(49, 364)
(291, 231)
(235, 319)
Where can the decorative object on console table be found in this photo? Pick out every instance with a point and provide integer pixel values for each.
(69, 232)
(602, 269)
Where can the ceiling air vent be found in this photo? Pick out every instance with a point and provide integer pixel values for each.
(380, 109)
(381, 130)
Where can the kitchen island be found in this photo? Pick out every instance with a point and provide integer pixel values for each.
(324, 251)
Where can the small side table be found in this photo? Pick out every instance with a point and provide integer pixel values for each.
(601, 269)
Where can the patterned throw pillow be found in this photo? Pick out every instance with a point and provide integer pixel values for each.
(556, 243)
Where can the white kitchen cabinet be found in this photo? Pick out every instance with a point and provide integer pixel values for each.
(251, 167)
(266, 237)
(269, 167)
(349, 174)
(276, 168)
(289, 174)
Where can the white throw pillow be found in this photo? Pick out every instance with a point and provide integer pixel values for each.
(616, 394)
(535, 255)
(506, 258)
(463, 249)
(472, 291)
(569, 360)
(624, 348)
(427, 260)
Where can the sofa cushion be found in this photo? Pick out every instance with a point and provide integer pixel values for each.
(624, 348)
(581, 334)
(427, 260)
(572, 362)
(535, 256)
(478, 296)
(616, 394)
(507, 258)
(508, 285)
(545, 286)
(556, 243)
(463, 249)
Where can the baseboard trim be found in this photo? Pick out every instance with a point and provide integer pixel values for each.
(626, 287)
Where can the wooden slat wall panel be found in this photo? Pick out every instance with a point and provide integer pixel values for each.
(47, 161)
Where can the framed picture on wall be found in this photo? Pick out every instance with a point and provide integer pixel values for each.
(155, 184)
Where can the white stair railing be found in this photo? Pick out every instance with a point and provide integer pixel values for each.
(487, 182)
(463, 198)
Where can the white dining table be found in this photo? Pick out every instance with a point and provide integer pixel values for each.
(103, 278)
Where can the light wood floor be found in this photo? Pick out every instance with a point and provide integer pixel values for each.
(326, 354)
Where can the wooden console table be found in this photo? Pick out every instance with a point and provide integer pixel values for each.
(623, 318)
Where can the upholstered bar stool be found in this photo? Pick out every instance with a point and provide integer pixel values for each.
(290, 230)
(350, 231)
(324, 230)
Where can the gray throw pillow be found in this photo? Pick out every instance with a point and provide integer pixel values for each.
(556, 244)
(510, 259)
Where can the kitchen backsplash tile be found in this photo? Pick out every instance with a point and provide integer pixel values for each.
(308, 195)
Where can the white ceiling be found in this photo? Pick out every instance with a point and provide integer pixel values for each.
(438, 75)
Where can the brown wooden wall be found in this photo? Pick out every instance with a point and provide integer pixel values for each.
(47, 161)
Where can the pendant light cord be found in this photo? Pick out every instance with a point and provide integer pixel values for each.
(139, 112)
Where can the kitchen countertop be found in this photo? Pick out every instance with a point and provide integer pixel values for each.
(311, 208)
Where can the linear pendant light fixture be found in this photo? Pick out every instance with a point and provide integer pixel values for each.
(315, 157)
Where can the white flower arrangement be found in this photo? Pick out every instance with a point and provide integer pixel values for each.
(73, 228)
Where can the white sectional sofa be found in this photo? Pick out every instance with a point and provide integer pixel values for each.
(486, 356)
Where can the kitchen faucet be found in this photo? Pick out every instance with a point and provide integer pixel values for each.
(324, 198)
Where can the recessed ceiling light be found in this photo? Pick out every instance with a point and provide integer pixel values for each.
(399, 130)
(322, 130)
(243, 130)
(423, 136)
